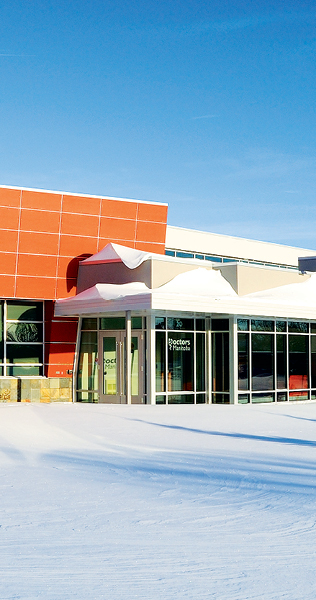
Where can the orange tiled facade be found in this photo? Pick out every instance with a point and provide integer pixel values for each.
(43, 237)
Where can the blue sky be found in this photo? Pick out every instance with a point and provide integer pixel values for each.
(208, 106)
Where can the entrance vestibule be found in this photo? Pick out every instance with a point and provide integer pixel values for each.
(113, 365)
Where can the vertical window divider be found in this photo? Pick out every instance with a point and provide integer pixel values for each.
(5, 338)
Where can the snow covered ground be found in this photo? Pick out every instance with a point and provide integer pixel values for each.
(157, 502)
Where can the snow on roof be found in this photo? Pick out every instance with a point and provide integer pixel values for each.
(199, 290)
(116, 253)
(295, 294)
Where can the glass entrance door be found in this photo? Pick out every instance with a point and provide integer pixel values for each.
(112, 354)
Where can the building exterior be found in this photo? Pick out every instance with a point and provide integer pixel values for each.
(101, 301)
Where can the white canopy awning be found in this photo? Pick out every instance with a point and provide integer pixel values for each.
(200, 290)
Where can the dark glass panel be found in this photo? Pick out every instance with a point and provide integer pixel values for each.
(200, 362)
(19, 371)
(281, 361)
(199, 256)
(298, 327)
(24, 311)
(1, 371)
(313, 395)
(298, 362)
(180, 361)
(220, 362)
(23, 353)
(243, 398)
(90, 324)
(200, 398)
(298, 395)
(160, 323)
(280, 326)
(181, 399)
(180, 324)
(170, 253)
(87, 364)
(200, 324)
(87, 397)
(262, 361)
(25, 332)
(243, 361)
(160, 361)
(259, 398)
(242, 324)
(313, 327)
(137, 322)
(213, 258)
(262, 325)
(281, 397)
(313, 361)
(112, 323)
(220, 399)
(220, 324)
(160, 399)
(185, 254)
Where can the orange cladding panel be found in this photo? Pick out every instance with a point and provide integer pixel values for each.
(151, 232)
(9, 217)
(81, 205)
(32, 264)
(40, 220)
(119, 209)
(41, 200)
(152, 212)
(71, 245)
(9, 197)
(66, 288)
(117, 229)
(7, 286)
(8, 241)
(79, 224)
(7, 263)
(35, 287)
(38, 243)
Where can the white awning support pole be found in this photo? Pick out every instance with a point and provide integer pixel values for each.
(128, 357)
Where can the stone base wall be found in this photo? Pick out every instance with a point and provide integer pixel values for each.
(45, 389)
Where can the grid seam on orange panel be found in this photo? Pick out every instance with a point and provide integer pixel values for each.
(136, 223)
(59, 238)
(17, 246)
(66, 212)
(99, 224)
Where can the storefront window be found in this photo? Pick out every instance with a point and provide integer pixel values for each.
(220, 360)
(298, 362)
(160, 361)
(313, 361)
(281, 361)
(180, 361)
(243, 361)
(262, 362)
(21, 338)
(88, 363)
(200, 362)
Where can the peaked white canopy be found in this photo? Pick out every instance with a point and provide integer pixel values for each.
(115, 252)
(199, 290)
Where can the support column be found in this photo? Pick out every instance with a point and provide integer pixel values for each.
(128, 357)
(151, 360)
